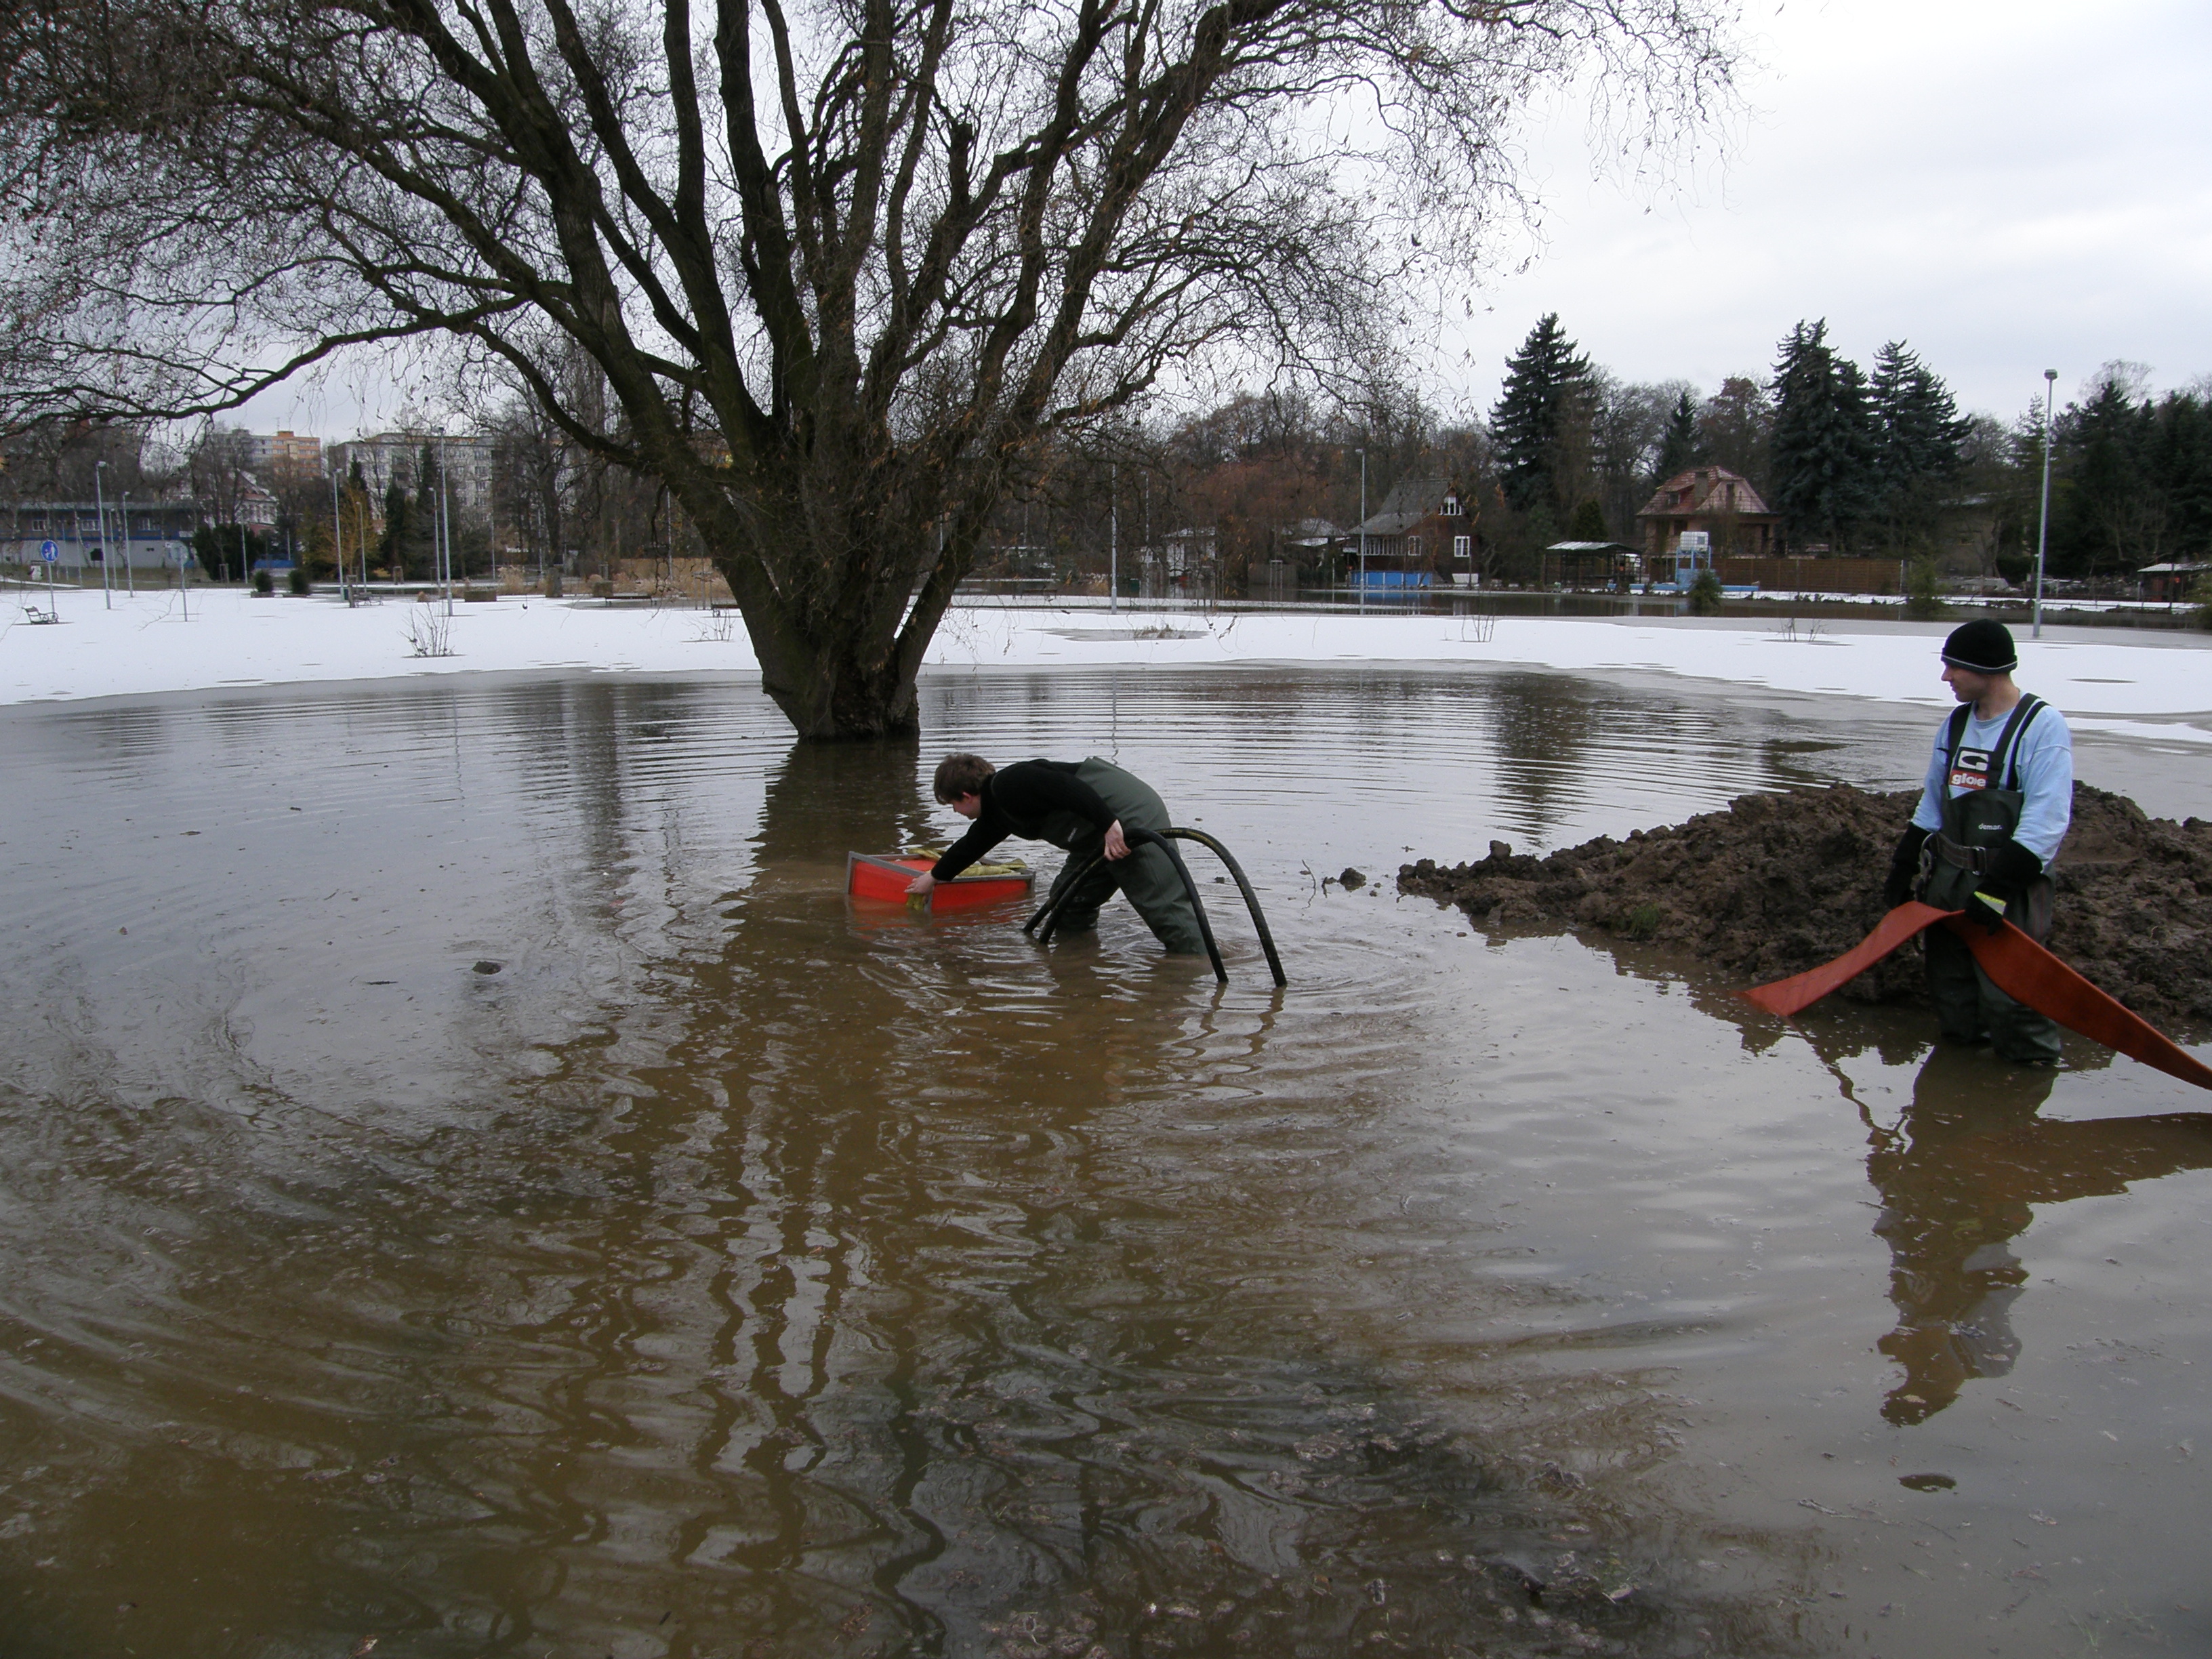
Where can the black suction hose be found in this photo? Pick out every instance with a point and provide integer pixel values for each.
(1142, 837)
(1251, 899)
(1048, 912)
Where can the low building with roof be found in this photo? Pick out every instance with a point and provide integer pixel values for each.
(85, 535)
(2172, 579)
(1424, 531)
(1715, 501)
(1592, 564)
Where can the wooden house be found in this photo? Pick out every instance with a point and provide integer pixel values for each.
(1712, 499)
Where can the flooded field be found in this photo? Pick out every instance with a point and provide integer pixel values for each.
(471, 1184)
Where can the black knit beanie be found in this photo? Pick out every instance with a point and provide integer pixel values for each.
(1984, 647)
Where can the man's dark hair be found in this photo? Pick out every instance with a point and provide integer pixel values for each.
(960, 775)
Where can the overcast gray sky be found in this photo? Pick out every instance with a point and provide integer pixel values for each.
(2008, 185)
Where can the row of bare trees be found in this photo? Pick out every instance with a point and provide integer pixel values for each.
(848, 273)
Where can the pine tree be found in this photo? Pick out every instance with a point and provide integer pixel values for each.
(1916, 438)
(2110, 515)
(1679, 448)
(1588, 523)
(1539, 417)
(392, 546)
(425, 518)
(1823, 441)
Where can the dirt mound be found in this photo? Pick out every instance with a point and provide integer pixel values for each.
(1776, 884)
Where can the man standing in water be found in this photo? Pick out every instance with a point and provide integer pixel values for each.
(1079, 806)
(1997, 801)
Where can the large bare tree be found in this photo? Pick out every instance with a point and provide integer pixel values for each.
(840, 264)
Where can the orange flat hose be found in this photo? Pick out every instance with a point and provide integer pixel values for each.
(1786, 996)
(2017, 965)
(2028, 973)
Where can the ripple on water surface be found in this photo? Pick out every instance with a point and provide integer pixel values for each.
(473, 1180)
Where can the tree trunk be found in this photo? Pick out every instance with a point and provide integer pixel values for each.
(841, 572)
(832, 687)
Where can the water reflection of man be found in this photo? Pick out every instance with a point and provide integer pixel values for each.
(1081, 806)
(1998, 799)
(1957, 1179)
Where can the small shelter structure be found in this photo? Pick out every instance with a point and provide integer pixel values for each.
(2172, 580)
(1592, 564)
(1185, 565)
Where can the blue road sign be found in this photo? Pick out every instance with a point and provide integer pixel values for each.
(49, 552)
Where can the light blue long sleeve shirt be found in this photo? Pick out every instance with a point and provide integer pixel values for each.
(2043, 752)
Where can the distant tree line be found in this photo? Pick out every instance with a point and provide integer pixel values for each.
(1876, 462)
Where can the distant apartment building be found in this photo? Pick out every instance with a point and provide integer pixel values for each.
(281, 457)
(384, 455)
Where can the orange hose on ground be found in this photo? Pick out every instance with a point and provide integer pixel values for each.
(1786, 996)
(2028, 973)
(2017, 965)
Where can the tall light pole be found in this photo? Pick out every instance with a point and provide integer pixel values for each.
(183, 597)
(1113, 537)
(1363, 529)
(338, 535)
(2043, 528)
(444, 527)
(100, 501)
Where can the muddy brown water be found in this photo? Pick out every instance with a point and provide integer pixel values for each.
(736, 1271)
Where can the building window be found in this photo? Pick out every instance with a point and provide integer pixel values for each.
(1451, 507)
(1462, 547)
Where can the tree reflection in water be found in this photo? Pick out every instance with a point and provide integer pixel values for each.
(1958, 1178)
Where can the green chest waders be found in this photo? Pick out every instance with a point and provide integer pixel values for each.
(1147, 879)
(1977, 820)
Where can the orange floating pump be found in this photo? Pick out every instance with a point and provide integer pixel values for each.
(884, 879)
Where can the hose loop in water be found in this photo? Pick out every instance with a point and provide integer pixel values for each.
(1047, 914)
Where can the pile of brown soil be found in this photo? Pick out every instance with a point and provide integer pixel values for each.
(1776, 884)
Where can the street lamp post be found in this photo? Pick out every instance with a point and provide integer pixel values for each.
(1113, 538)
(338, 536)
(100, 501)
(184, 594)
(2043, 528)
(1363, 529)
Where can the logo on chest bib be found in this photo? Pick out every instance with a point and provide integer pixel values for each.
(1971, 771)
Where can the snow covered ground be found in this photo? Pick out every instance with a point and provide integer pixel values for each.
(2143, 685)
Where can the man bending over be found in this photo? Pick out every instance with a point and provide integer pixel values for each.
(1081, 806)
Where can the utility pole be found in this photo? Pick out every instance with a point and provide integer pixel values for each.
(1363, 529)
(338, 536)
(1113, 537)
(2043, 528)
(445, 524)
(100, 501)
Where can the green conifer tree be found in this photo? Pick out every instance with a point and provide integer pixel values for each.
(392, 545)
(1679, 448)
(1916, 434)
(1823, 441)
(1588, 523)
(1545, 399)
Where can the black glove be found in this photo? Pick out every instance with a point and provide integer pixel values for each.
(2012, 866)
(1903, 866)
